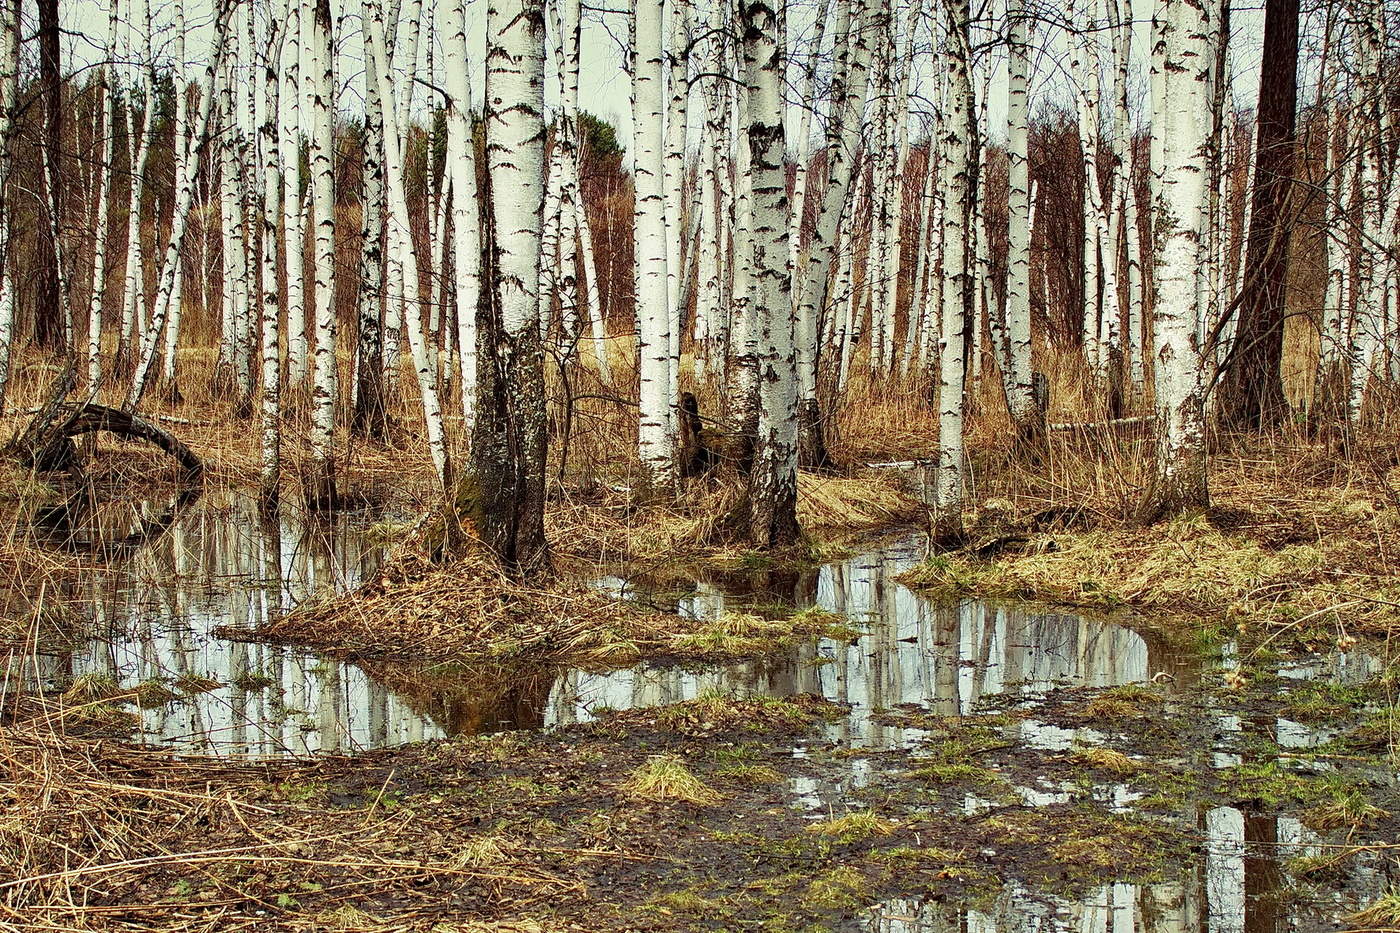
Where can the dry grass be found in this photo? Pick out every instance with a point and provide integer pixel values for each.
(470, 609)
(1291, 542)
(665, 778)
(169, 843)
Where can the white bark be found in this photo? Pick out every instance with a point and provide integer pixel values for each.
(850, 85)
(398, 217)
(466, 219)
(271, 376)
(180, 214)
(1017, 375)
(9, 92)
(958, 137)
(326, 382)
(773, 485)
(655, 437)
(1181, 129)
(183, 145)
(293, 217)
(102, 192)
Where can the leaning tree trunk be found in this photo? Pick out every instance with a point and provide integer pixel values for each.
(1251, 390)
(505, 492)
(400, 227)
(179, 223)
(849, 85)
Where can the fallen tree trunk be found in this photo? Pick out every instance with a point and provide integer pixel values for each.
(47, 443)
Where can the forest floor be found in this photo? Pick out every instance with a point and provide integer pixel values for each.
(766, 793)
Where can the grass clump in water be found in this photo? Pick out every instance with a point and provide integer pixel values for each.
(90, 688)
(853, 826)
(1384, 914)
(1106, 759)
(665, 778)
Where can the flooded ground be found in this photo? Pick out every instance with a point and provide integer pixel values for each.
(1005, 716)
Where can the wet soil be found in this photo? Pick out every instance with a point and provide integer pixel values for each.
(936, 765)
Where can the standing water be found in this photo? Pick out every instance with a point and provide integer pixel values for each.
(151, 610)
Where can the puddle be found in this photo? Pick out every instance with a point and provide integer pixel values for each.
(216, 563)
(220, 564)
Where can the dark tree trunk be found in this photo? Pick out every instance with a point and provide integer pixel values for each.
(48, 312)
(1251, 395)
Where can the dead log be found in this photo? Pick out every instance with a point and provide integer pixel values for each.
(47, 442)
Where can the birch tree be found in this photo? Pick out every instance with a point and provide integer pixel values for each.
(10, 17)
(271, 409)
(108, 99)
(466, 220)
(1182, 82)
(506, 491)
(960, 169)
(655, 436)
(1017, 375)
(773, 480)
(179, 223)
(321, 487)
(848, 92)
(398, 211)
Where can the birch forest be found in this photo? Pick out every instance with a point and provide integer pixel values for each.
(775, 464)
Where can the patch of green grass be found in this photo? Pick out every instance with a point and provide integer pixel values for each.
(253, 681)
(294, 792)
(1384, 914)
(1342, 804)
(841, 888)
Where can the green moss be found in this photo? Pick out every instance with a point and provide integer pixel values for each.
(841, 888)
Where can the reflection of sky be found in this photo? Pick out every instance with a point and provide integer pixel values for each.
(157, 623)
(943, 658)
(1235, 892)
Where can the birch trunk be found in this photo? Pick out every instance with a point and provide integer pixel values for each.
(506, 494)
(271, 376)
(179, 223)
(466, 220)
(321, 485)
(10, 17)
(960, 170)
(398, 217)
(655, 439)
(1182, 75)
(183, 145)
(290, 129)
(371, 415)
(773, 481)
(848, 92)
(102, 192)
(1018, 378)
